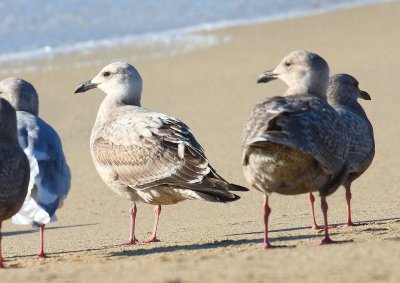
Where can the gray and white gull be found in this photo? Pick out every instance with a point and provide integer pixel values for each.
(146, 156)
(296, 143)
(50, 176)
(14, 173)
(343, 92)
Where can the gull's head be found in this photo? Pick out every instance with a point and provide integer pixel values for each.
(343, 89)
(21, 95)
(302, 71)
(8, 121)
(120, 80)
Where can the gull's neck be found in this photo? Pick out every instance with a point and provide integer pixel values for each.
(307, 89)
(311, 83)
(350, 104)
(115, 99)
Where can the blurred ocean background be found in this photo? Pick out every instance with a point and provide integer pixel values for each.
(47, 28)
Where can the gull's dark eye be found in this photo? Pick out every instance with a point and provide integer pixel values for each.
(287, 63)
(106, 74)
(356, 84)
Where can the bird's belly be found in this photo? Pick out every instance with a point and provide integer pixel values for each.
(163, 195)
(111, 179)
(160, 195)
(280, 169)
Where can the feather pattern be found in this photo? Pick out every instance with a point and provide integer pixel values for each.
(148, 151)
(362, 145)
(302, 132)
(305, 123)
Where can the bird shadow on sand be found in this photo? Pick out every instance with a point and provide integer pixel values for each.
(206, 246)
(334, 225)
(149, 249)
(23, 232)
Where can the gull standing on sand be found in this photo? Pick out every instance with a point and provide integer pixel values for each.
(14, 166)
(146, 156)
(296, 143)
(343, 92)
(50, 177)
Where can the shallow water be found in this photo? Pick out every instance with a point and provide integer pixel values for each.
(42, 29)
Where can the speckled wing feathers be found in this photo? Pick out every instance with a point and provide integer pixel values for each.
(362, 146)
(305, 123)
(162, 152)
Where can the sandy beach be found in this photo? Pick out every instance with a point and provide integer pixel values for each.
(213, 90)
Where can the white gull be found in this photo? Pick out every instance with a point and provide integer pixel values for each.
(146, 156)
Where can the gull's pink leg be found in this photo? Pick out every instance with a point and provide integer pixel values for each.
(348, 200)
(153, 237)
(132, 239)
(311, 198)
(327, 239)
(266, 213)
(324, 207)
(41, 253)
(1, 256)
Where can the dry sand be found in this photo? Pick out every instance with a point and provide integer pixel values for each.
(222, 242)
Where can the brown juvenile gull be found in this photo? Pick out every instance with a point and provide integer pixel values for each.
(50, 177)
(14, 173)
(296, 143)
(146, 156)
(343, 92)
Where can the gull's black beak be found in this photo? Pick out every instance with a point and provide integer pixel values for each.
(364, 95)
(267, 77)
(85, 86)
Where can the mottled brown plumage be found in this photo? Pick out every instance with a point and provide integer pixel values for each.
(146, 156)
(301, 140)
(296, 143)
(152, 158)
(14, 166)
